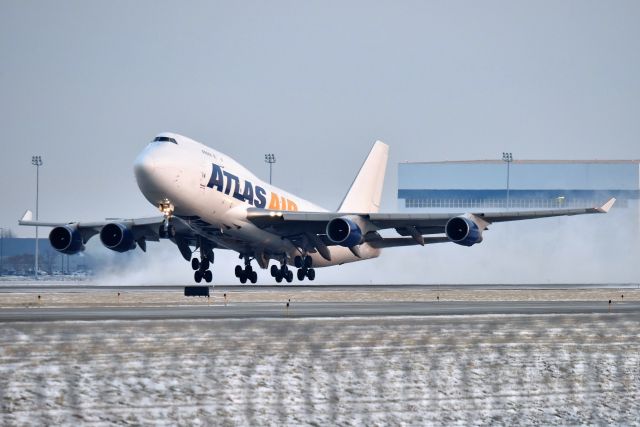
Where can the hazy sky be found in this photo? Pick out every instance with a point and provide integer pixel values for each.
(88, 84)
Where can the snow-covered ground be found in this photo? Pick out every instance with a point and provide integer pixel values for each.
(458, 370)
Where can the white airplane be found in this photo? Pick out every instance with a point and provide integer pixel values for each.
(209, 201)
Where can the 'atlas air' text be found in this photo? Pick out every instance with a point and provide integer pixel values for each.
(228, 183)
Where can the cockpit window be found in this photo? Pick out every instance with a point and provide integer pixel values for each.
(165, 139)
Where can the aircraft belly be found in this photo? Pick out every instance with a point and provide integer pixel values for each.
(342, 255)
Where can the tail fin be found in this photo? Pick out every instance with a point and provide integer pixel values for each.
(366, 191)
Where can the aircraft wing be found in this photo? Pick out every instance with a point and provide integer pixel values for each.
(143, 228)
(187, 231)
(407, 224)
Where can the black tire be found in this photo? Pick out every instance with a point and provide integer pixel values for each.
(248, 269)
(308, 261)
(297, 261)
(208, 276)
(238, 271)
(253, 276)
(301, 274)
(195, 264)
(278, 277)
(204, 265)
(289, 276)
(243, 278)
(274, 270)
(311, 274)
(197, 276)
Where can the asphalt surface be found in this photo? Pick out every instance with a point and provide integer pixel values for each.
(31, 287)
(315, 309)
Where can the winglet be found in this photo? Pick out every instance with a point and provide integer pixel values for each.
(605, 208)
(28, 216)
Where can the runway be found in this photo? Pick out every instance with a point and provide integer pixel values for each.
(313, 310)
(86, 302)
(445, 355)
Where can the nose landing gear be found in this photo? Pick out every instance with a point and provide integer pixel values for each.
(167, 230)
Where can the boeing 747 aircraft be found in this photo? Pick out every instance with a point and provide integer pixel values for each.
(208, 201)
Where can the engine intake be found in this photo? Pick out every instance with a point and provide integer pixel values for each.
(463, 231)
(66, 239)
(344, 231)
(117, 237)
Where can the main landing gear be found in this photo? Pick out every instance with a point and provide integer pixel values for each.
(247, 272)
(201, 267)
(304, 265)
(282, 272)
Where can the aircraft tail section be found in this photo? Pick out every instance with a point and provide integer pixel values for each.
(366, 191)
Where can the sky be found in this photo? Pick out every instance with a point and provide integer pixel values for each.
(87, 85)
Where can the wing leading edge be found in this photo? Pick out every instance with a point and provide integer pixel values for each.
(287, 223)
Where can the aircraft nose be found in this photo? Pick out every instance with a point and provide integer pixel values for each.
(145, 167)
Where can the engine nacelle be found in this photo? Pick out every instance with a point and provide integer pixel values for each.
(463, 231)
(344, 231)
(117, 237)
(66, 239)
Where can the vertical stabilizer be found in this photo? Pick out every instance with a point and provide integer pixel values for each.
(366, 191)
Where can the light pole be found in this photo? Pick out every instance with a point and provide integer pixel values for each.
(37, 162)
(507, 158)
(271, 159)
(1, 250)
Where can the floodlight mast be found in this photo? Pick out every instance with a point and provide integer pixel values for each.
(271, 159)
(507, 158)
(37, 162)
(1, 250)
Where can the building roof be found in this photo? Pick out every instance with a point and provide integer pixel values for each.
(499, 161)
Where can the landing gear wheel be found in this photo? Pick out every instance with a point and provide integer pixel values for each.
(243, 278)
(253, 276)
(208, 276)
(311, 274)
(195, 264)
(197, 276)
(308, 261)
(238, 271)
(248, 269)
(278, 277)
(297, 261)
(301, 274)
(204, 264)
(274, 270)
(289, 276)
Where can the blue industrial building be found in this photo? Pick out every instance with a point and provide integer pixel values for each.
(519, 184)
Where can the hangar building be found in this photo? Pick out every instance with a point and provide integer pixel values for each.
(520, 184)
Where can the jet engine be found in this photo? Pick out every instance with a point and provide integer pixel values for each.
(66, 239)
(463, 231)
(344, 231)
(117, 237)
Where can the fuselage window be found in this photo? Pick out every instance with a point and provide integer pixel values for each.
(165, 139)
